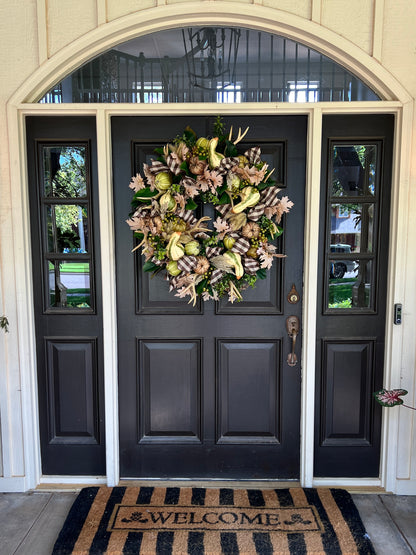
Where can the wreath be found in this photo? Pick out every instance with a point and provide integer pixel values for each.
(238, 250)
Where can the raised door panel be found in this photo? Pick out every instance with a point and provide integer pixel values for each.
(72, 390)
(347, 383)
(248, 391)
(169, 391)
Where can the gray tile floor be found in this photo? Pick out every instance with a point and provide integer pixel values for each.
(30, 522)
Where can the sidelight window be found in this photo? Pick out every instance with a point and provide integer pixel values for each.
(66, 227)
(352, 226)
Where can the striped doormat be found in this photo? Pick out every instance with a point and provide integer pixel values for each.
(195, 521)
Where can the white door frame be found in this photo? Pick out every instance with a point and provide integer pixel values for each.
(258, 17)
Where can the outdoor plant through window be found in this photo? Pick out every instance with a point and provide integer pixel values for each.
(352, 225)
(65, 206)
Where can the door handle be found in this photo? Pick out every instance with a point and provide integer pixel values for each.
(292, 326)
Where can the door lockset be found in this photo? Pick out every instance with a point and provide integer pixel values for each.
(292, 326)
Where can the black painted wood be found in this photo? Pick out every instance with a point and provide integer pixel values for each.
(350, 343)
(205, 391)
(69, 341)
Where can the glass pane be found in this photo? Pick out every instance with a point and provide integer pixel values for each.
(354, 170)
(67, 226)
(69, 284)
(64, 171)
(210, 64)
(352, 228)
(350, 284)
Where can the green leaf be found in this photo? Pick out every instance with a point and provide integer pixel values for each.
(262, 186)
(279, 231)
(201, 286)
(159, 150)
(184, 167)
(138, 235)
(145, 194)
(224, 199)
(261, 274)
(191, 204)
(150, 266)
(230, 149)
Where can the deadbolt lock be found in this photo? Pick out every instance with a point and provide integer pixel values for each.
(293, 296)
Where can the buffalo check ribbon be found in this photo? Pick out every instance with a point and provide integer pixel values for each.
(226, 164)
(253, 155)
(187, 263)
(268, 197)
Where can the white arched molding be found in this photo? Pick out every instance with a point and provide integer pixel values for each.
(270, 20)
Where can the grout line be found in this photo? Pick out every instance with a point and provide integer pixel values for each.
(397, 526)
(33, 523)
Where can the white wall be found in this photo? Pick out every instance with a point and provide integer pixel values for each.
(34, 31)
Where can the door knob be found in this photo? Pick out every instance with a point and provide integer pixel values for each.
(292, 326)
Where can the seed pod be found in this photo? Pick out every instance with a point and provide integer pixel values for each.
(172, 268)
(163, 180)
(192, 248)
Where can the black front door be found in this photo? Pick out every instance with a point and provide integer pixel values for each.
(205, 390)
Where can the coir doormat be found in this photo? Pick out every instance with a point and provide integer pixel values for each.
(195, 521)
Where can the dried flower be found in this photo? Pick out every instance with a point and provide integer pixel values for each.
(137, 183)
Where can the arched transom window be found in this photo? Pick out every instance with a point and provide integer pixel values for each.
(210, 64)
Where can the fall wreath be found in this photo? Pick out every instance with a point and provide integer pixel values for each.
(238, 249)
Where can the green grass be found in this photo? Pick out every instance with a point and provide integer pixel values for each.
(340, 293)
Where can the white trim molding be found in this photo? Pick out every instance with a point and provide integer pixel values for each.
(396, 101)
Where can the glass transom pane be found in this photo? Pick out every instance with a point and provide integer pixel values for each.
(210, 64)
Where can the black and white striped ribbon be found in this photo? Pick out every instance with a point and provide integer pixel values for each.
(223, 209)
(241, 246)
(187, 216)
(157, 167)
(212, 251)
(216, 276)
(251, 266)
(173, 164)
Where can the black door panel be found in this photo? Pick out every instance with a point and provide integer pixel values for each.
(205, 391)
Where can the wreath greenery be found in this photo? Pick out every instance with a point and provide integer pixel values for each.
(238, 250)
